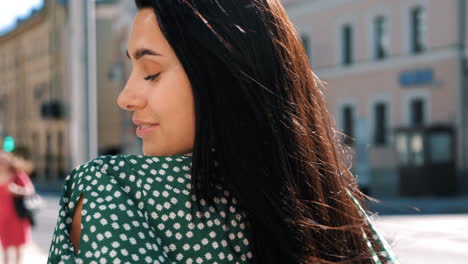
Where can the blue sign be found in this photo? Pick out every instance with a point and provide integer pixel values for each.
(417, 77)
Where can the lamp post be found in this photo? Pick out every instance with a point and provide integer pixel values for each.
(83, 101)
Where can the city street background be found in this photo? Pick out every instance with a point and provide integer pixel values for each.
(396, 85)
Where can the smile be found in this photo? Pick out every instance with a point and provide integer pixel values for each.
(144, 130)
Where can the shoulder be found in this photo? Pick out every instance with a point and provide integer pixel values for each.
(136, 163)
(88, 170)
(129, 172)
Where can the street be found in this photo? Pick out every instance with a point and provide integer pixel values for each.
(427, 239)
(46, 219)
(415, 239)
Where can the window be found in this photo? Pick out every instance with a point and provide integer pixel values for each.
(60, 156)
(306, 43)
(417, 149)
(380, 124)
(35, 153)
(440, 144)
(348, 124)
(418, 29)
(48, 156)
(402, 147)
(417, 112)
(347, 45)
(381, 38)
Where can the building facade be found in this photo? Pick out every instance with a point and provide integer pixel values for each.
(33, 95)
(36, 91)
(395, 85)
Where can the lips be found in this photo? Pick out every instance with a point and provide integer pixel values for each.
(144, 130)
(144, 127)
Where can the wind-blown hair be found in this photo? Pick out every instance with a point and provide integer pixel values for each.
(15, 163)
(263, 130)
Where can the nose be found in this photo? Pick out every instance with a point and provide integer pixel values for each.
(129, 99)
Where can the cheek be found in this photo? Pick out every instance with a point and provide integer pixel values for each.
(172, 101)
(184, 111)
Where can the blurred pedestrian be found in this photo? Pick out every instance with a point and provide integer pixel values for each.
(15, 231)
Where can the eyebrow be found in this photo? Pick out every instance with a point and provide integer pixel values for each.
(142, 52)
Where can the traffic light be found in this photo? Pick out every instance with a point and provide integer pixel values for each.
(8, 144)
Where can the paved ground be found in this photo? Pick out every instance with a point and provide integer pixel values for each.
(427, 239)
(46, 220)
(32, 255)
(416, 238)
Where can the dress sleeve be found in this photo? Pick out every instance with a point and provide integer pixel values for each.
(61, 250)
(138, 209)
(113, 226)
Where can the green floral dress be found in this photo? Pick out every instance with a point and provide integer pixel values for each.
(138, 209)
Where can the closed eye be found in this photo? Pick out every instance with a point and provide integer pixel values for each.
(152, 77)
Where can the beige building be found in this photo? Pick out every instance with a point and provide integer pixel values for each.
(33, 95)
(396, 85)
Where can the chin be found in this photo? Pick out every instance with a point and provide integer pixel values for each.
(150, 151)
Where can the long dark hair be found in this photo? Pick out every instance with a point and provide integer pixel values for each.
(263, 131)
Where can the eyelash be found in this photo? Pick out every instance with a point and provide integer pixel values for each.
(152, 77)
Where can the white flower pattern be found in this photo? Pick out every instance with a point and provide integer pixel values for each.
(138, 209)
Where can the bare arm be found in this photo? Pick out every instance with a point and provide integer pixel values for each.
(75, 232)
(18, 190)
(22, 185)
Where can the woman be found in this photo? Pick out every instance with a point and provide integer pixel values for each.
(241, 162)
(15, 231)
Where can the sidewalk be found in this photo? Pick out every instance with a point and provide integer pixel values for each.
(420, 205)
(426, 239)
(32, 254)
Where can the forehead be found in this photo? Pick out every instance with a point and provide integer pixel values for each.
(146, 33)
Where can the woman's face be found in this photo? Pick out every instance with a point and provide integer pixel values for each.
(158, 91)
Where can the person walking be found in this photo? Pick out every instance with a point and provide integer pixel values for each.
(15, 231)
